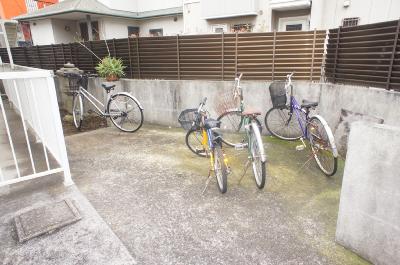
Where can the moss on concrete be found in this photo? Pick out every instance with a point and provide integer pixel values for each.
(311, 198)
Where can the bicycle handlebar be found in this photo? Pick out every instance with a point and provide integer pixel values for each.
(79, 75)
(199, 110)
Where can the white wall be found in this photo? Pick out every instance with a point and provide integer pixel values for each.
(169, 26)
(116, 27)
(141, 5)
(194, 22)
(147, 5)
(369, 11)
(61, 35)
(42, 32)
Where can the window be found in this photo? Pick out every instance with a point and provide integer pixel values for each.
(242, 28)
(219, 28)
(133, 32)
(84, 30)
(293, 23)
(156, 32)
(350, 22)
(291, 27)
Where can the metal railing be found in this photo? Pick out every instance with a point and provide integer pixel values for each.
(32, 95)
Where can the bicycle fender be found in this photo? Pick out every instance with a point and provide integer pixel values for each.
(329, 132)
(259, 140)
(135, 99)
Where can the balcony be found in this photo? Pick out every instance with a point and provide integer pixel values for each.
(283, 5)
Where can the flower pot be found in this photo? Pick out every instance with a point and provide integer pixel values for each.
(111, 78)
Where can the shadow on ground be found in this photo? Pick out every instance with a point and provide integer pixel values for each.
(147, 187)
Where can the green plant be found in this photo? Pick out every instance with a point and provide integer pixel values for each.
(110, 66)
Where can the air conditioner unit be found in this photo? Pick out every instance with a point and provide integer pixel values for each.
(346, 3)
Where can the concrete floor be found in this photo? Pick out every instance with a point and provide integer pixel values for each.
(89, 241)
(147, 187)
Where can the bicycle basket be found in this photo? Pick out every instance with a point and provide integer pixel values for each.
(187, 117)
(278, 94)
(76, 81)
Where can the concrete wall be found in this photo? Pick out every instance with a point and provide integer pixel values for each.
(42, 32)
(163, 100)
(369, 211)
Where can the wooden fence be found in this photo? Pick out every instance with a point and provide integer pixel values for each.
(260, 56)
(366, 55)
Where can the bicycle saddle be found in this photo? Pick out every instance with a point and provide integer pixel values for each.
(107, 86)
(211, 123)
(251, 113)
(308, 104)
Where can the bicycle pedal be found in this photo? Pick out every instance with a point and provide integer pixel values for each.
(300, 147)
(240, 146)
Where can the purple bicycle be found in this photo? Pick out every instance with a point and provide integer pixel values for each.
(291, 121)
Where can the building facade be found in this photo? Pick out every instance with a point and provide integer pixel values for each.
(70, 20)
(205, 16)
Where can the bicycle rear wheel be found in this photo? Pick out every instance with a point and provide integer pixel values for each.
(194, 139)
(258, 158)
(220, 169)
(283, 124)
(232, 129)
(322, 145)
(77, 110)
(125, 112)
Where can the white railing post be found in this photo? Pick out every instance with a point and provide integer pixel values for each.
(40, 124)
(59, 131)
(9, 137)
(21, 113)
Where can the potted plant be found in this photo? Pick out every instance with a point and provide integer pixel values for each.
(110, 68)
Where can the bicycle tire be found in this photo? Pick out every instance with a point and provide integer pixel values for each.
(320, 135)
(290, 120)
(77, 110)
(232, 130)
(193, 138)
(258, 158)
(220, 168)
(130, 102)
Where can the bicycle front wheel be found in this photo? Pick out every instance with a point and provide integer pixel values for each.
(258, 158)
(77, 110)
(322, 145)
(232, 128)
(125, 112)
(194, 141)
(283, 124)
(220, 169)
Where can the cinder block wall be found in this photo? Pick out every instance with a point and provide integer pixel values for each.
(369, 212)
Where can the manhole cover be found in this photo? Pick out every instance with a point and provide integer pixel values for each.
(45, 219)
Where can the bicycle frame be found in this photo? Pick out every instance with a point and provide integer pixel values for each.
(294, 105)
(94, 101)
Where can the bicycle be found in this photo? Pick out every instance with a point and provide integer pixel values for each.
(124, 111)
(280, 122)
(232, 118)
(241, 129)
(206, 138)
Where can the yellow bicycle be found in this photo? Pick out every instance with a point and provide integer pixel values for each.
(204, 140)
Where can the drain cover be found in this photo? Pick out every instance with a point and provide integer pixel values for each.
(45, 219)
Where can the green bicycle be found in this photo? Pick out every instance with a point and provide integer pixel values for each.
(241, 129)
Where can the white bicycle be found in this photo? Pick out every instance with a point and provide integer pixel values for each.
(124, 110)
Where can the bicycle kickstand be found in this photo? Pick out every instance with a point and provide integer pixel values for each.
(207, 182)
(246, 166)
